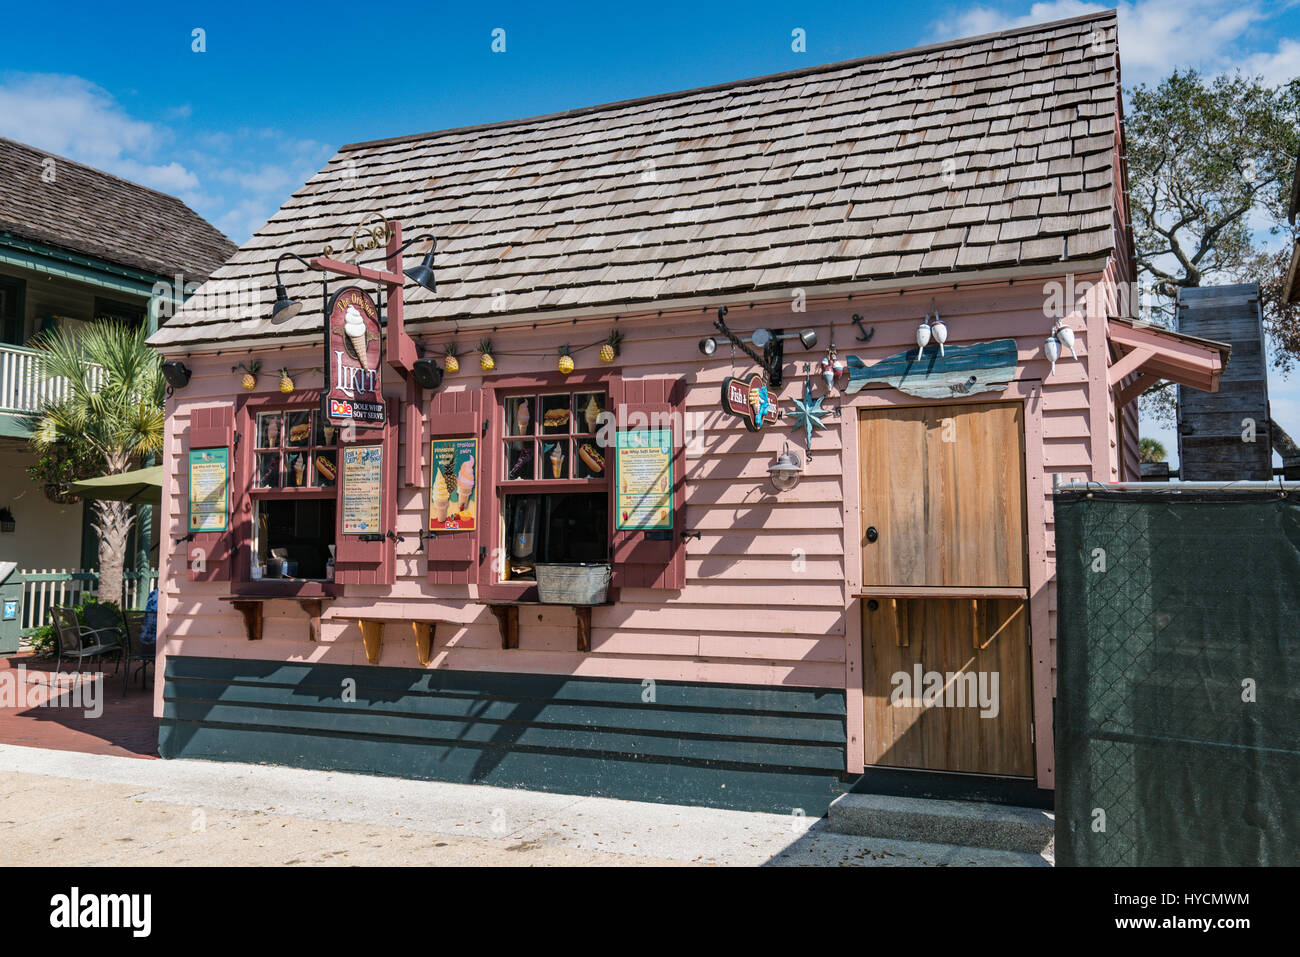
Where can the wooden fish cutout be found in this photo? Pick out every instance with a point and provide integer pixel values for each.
(964, 370)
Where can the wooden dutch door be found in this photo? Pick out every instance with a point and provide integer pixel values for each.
(945, 618)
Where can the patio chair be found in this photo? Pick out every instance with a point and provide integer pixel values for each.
(137, 650)
(79, 642)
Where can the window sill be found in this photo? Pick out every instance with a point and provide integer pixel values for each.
(286, 588)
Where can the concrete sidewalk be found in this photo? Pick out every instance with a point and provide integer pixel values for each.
(86, 809)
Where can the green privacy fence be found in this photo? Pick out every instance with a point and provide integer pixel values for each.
(44, 589)
(1178, 674)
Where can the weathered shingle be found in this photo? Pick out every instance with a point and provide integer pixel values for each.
(975, 154)
(84, 210)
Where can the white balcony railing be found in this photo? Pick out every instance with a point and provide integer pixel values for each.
(21, 388)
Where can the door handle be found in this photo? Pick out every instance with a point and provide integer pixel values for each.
(872, 534)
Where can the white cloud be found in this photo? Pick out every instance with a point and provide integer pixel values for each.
(223, 176)
(1154, 35)
(1280, 66)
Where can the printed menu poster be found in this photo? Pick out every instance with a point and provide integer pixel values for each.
(452, 503)
(645, 479)
(362, 484)
(209, 490)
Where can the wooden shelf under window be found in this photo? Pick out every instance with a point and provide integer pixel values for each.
(250, 607)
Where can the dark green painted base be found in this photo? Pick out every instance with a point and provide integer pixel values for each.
(729, 746)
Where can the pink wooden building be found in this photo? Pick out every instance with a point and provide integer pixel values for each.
(757, 647)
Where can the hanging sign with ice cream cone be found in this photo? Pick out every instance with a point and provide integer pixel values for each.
(453, 505)
(353, 351)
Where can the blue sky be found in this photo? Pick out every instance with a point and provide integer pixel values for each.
(235, 129)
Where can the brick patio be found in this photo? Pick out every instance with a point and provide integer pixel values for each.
(126, 728)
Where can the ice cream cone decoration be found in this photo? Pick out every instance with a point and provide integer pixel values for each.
(557, 461)
(591, 413)
(299, 469)
(465, 484)
(354, 327)
(522, 418)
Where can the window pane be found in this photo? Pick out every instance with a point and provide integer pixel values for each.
(325, 432)
(556, 414)
(520, 416)
(556, 459)
(554, 528)
(268, 470)
(297, 475)
(268, 430)
(587, 406)
(589, 461)
(326, 471)
(298, 425)
(520, 460)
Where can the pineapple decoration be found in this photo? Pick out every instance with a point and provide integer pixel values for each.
(566, 361)
(485, 360)
(609, 350)
(453, 361)
(286, 383)
(249, 379)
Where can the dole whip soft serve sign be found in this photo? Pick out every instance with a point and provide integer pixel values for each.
(353, 340)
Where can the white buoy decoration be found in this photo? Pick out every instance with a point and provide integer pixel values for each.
(1066, 335)
(939, 331)
(1053, 350)
(922, 335)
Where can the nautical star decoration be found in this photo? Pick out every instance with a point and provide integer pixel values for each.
(966, 370)
(808, 412)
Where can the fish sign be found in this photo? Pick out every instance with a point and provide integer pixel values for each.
(964, 370)
(750, 401)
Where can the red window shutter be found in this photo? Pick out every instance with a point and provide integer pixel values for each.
(453, 557)
(642, 561)
(208, 554)
(359, 559)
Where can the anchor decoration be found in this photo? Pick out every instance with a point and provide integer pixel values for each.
(923, 372)
(749, 400)
(808, 413)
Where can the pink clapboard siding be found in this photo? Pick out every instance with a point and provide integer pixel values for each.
(767, 597)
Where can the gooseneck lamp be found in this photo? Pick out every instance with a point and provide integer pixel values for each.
(285, 308)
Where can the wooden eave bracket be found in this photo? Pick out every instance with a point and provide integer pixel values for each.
(1154, 354)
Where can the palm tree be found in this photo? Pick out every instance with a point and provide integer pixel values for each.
(111, 410)
(1150, 451)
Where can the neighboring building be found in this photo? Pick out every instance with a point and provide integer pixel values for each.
(745, 656)
(76, 244)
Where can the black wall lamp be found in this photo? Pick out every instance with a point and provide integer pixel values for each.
(285, 308)
(422, 275)
(176, 373)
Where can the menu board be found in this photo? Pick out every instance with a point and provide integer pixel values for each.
(360, 489)
(453, 503)
(209, 490)
(645, 479)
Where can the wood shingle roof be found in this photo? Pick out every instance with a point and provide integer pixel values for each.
(84, 210)
(986, 153)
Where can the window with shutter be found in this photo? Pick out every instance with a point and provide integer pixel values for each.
(208, 554)
(453, 521)
(653, 559)
(366, 530)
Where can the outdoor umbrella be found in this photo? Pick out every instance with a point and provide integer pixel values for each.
(141, 487)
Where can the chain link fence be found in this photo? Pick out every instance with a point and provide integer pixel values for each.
(1178, 676)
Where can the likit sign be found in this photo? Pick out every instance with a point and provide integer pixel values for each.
(353, 353)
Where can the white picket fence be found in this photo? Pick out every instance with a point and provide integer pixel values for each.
(48, 588)
(21, 388)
